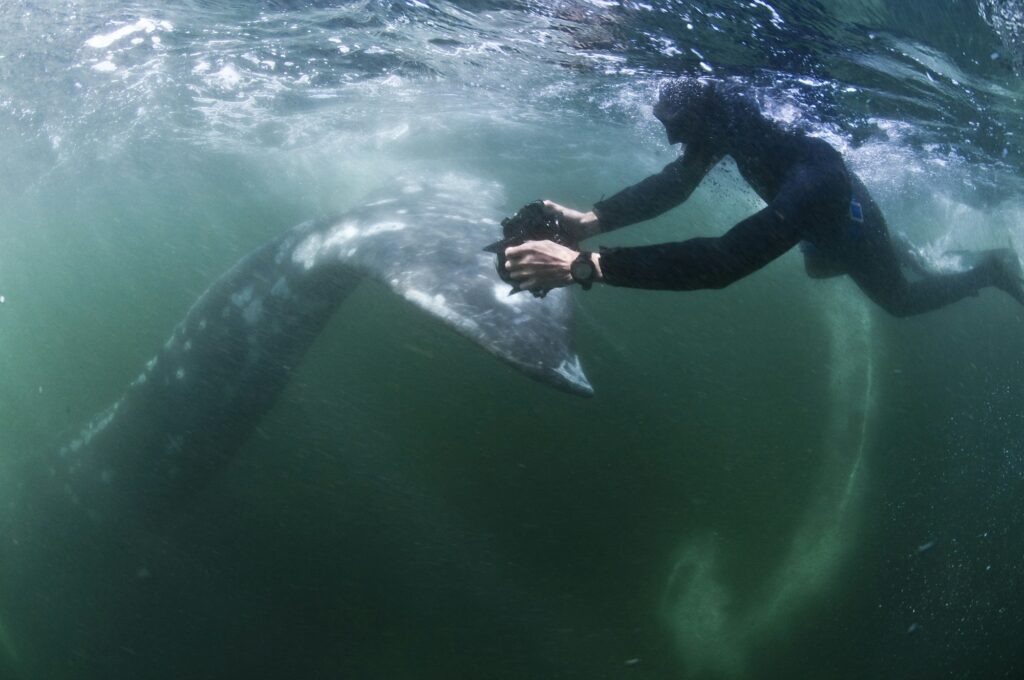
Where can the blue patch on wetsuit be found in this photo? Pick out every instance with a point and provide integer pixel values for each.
(856, 212)
(853, 229)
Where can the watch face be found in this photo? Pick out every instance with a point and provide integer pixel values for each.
(582, 270)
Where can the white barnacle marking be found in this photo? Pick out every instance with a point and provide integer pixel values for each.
(438, 306)
(151, 364)
(202, 324)
(188, 345)
(382, 227)
(501, 294)
(281, 289)
(344, 232)
(253, 312)
(242, 299)
(305, 253)
(451, 217)
(95, 427)
(180, 374)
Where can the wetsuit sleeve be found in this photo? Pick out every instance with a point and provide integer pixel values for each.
(717, 262)
(658, 193)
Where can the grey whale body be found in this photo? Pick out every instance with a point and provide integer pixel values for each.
(78, 511)
(226, 362)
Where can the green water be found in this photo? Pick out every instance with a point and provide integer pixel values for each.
(775, 480)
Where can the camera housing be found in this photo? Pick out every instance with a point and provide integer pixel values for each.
(530, 223)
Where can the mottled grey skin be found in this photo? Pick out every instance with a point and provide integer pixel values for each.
(226, 362)
(198, 400)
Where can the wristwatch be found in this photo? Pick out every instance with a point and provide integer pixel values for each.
(582, 269)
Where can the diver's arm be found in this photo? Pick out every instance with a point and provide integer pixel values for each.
(686, 265)
(580, 225)
(658, 193)
(748, 246)
(701, 262)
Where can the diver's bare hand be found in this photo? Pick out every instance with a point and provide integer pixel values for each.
(543, 265)
(581, 225)
(540, 265)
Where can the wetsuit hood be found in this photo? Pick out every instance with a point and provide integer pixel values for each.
(684, 107)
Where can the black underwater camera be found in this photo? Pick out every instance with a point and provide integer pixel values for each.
(531, 223)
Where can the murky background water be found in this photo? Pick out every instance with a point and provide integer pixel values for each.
(774, 480)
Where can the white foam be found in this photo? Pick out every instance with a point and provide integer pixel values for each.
(105, 40)
(227, 78)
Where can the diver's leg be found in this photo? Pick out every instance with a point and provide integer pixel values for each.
(876, 260)
(1006, 272)
(876, 269)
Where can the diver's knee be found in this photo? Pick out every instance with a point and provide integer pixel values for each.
(817, 270)
(897, 307)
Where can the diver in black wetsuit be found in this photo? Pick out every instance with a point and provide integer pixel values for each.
(813, 199)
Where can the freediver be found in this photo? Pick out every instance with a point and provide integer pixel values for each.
(812, 199)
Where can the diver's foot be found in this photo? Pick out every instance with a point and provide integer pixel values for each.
(1006, 272)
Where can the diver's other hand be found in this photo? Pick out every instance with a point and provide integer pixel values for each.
(581, 225)
(543, 265)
